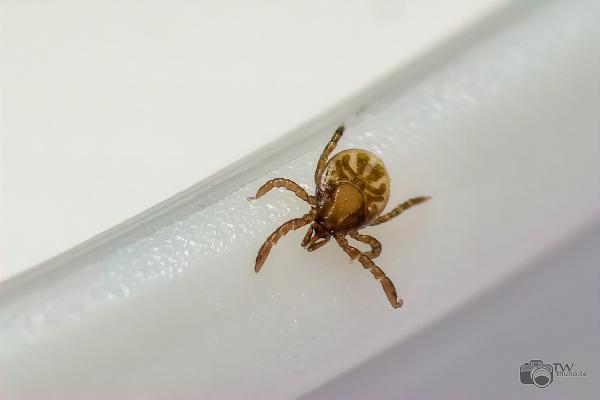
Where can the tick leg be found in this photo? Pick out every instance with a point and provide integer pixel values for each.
(367, 263)
(327, 151)
(271, 241)
(371, 241)
(287, 184)
(400, 209)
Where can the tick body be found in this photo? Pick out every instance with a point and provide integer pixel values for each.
(352, 190)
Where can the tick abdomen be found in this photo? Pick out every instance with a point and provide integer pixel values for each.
(352, 190)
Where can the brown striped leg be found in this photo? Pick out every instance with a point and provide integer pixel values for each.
(371, 241)
(271, 241)
(367, 263)
(400, 209)
(327, 151)
(287, 184)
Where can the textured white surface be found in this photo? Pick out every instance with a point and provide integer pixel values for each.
(503, 135)
(547, 311)
(111, 107)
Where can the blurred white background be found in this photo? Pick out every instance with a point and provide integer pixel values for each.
(111, 107)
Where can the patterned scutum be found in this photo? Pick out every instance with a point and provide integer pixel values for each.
(362, 169)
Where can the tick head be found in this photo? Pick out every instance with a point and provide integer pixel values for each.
(320, 232)
(316, 237)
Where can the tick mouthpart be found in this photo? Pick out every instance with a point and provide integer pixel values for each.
(316, 237)
(317, 244)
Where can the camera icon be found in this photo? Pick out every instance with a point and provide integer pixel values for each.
(537, 373)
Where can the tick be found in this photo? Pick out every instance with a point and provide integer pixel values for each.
(352, 190)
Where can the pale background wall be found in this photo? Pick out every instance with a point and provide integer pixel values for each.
(111, 107)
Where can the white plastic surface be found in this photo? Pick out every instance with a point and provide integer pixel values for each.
(547, 311)
(503, 135)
